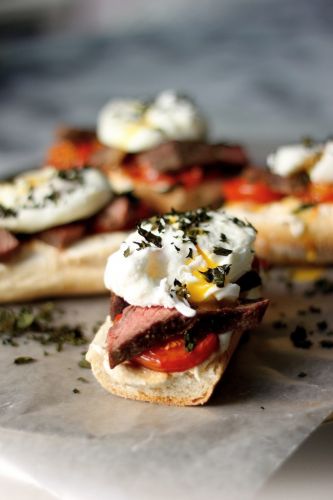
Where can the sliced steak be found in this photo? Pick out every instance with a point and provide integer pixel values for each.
(76, 135)
(63, 236)
(176, 155)
(117, 305)
(122, 213)
(8, 244)
(142, 328)
(287, 185)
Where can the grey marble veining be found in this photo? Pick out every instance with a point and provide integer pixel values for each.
(262, 71)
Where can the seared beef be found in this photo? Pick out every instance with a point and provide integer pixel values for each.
(76, 135)
(8, 244)
(117, 305)
(176, 155)
(286, 185)
(63, 236)
(141, 328)
(122, 213)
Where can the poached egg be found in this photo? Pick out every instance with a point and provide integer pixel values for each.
(44, 198)
(134, 125)
(179, 260)
(316, 159)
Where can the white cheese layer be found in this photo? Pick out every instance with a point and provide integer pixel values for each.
(134, 125)
(47, 197)
(178, 260)
(126, 374)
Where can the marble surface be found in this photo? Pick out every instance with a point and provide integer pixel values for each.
(261, 70)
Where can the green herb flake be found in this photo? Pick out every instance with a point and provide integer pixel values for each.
(216, 275)
(83, 363)
(82, 379)
(76, 391)
(150, 237)
(7, 212)
(24, 360)
(302, 207)
(222, 251)
(180, 290)
(189, 341)
(127, 252)
(190, 253)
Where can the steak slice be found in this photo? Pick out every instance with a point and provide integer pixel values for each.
(123, 213)
(8, 244)
(63, 236)
(142, 328)
(293, 184)
(175, 155)
(117, 305)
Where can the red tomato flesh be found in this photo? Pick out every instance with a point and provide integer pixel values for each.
(173, 357)
(241, 189)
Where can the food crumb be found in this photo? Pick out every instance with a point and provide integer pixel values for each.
(262, 407)
(322, 325)
(24, 360)
(299, 338)
(326, 344)
(76, 391)
(302, 375)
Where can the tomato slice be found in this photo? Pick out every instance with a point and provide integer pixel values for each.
(241, 189)
(67, 154)
(173, 357)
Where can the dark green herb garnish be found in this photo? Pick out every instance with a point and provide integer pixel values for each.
(322, 325)
(223, 238)
(83, 363)
(302, 375)
(150, 237)
(190, 253)
(326, 344)
(7, 212)
(189, 341)
(37, 323)
(222, 251)
(71, 175)
(314, 309)
(299, 338)
(180, 289)
(127, 252)
(76, 391)
(82, 379)
(216, 275)
(278, 324)
(24, 360)
(141, 245)
(304, 206)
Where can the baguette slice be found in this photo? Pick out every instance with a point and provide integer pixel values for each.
(41, 270)
(288, 233)
(189, 388)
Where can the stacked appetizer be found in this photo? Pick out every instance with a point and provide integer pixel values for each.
(290, 203)
(57, 229)
(184, 287)
(157, 149)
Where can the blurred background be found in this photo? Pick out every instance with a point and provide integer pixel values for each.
(261, 69)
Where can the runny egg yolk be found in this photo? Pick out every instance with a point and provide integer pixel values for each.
(199, 290)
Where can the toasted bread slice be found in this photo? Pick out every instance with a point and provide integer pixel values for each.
(290, 232)
(41, 270)
(189, 388)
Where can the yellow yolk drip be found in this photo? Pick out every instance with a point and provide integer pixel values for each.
(199, 289)
(303, 275)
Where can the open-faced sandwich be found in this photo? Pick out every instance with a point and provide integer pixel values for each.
(57, 229)
(158, 149)
(184, 287)
(290, 203)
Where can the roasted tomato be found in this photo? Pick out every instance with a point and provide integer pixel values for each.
(189, 178)
(67, 154)
(173, 357)
(240, 189)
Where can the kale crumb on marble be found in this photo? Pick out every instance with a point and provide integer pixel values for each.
(326, 344)
(299, 338)
(278, 324)
(24, 360)
(302, 375)
(322, 325)
(76, 391)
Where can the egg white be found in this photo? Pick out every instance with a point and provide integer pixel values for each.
(133, 125)
(41, 199)
(146, 277)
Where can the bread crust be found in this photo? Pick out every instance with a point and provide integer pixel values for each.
(41, 270)
(178, 198)
(287, 235)
(183, 389)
